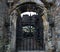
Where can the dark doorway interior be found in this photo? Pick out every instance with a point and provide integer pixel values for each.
(29, 33)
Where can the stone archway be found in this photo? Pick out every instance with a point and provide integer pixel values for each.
(35, 25)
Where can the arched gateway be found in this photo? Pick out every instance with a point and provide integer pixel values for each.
(29, 28)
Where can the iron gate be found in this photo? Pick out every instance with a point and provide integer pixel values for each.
(29, 33)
